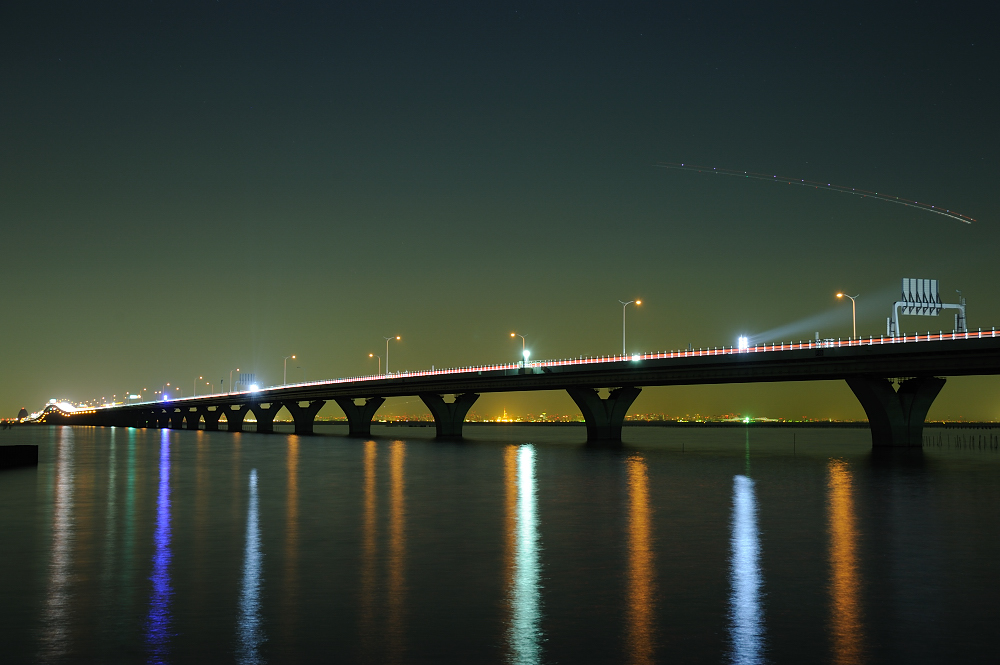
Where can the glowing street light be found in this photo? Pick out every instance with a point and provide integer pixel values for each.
(854, 314)
(284, 377)
(194, 386)
(624, 305)
(372, 355)
(524, 352)
(231, 378)
(387, 340)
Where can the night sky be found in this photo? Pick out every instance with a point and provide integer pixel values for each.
(189, 189)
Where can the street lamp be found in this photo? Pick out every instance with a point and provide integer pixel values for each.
(387, 340)
(624, 305)
(194, 386)
(372, 355)
(284, 379)
(854, 312)
(231, 378)
(524, 352)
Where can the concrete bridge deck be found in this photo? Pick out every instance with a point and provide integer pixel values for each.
(916, 362)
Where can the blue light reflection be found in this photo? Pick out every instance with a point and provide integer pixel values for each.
(525, 633)
(159, 621)
(249, 633)
(746, 617)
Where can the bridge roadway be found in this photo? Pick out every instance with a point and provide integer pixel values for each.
(872, 367)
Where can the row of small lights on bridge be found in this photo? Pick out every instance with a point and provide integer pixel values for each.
(742, 346)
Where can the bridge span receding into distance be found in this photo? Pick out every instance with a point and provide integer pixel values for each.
(873, 368)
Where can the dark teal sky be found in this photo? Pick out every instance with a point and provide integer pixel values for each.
(189, 189)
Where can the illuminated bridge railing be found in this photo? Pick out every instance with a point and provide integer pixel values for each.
(586, 360)
(617, 358)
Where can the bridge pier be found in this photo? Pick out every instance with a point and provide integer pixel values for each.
(359, 418)
(176, 418)
(265, 416)
(449, 416)
(234, 417)
(896, 417)
(604, 417)
(211, 417)
(191, 418)
(304, 416)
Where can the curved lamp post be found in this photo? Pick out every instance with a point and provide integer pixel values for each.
(524, 352)
(284, 376)
(624, 305)
(854, 313)
(387, 340)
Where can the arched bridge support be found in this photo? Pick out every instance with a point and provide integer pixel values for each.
(234, 417)
(211, 417)
(176, 418)
(192, 417)
(604, 416)
(304, 416)
(265, 416)
(359, 418)
(449, 416)
(896, 417)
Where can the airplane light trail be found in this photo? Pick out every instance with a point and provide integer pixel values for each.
(965, 219)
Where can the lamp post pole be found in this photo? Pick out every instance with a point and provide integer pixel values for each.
(387, 340)
(194, 386)
(372, 355)
(284, 376)
(231, 378)
(624, 305)
(854, 313)
(522, 345)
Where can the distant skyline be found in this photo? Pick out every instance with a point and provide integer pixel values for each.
(188, 189)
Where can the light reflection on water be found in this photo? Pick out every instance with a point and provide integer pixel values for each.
(397, 551)
(746, 617)
(641, 569)
(56, 619)
(845, 584)
(249, 633)
(159, 622)
(525, 634)
(369, 533)
(657, 552)
(291, 581)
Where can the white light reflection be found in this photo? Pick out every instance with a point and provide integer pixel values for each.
(525, 634)
(159, 622)
(746, 620)
(55, 635)
(249, 633)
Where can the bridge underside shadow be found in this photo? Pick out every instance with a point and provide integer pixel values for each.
(896, 417)
(604, 416)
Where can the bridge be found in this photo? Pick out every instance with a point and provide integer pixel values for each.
(896, 379)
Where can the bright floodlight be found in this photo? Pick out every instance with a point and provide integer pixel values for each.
(254, 388)
(744, 343)
(635, 357)
(526, 354)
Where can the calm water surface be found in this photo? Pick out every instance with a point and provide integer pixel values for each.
(520, 545)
